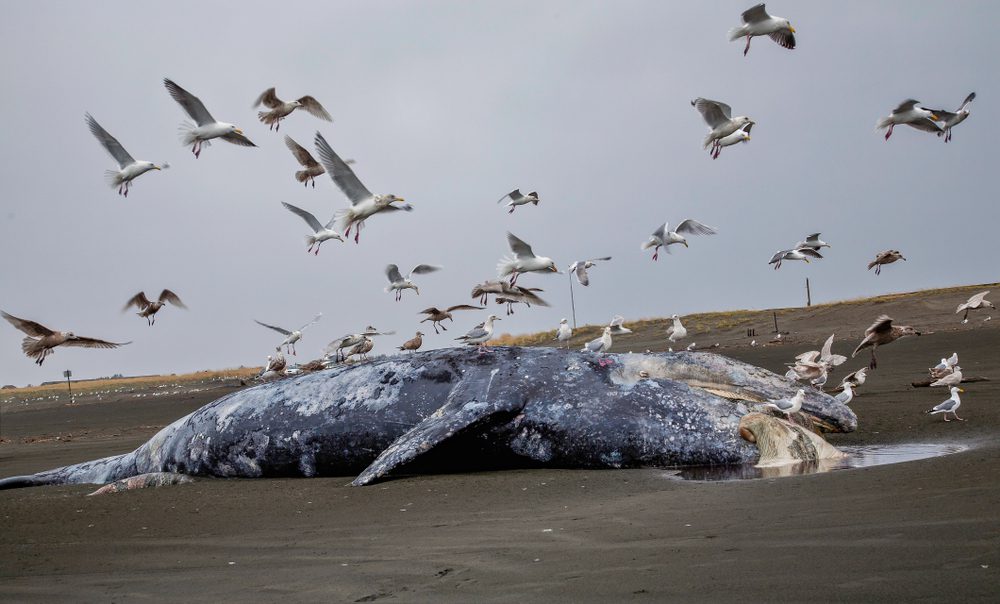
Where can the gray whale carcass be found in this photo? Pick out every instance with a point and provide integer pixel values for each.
(440, 409)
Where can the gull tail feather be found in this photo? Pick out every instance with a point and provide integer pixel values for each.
(505, 266)
(186, 131)
(737, 32)
(883, 123)
(345, 218)
(302, 176)
(113, 178)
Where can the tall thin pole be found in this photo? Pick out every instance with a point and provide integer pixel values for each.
(808, 294)
(775, 315)
(572, 301)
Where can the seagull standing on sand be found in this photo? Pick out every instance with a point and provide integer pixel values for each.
(564, 333)
(41, 340)
(952, 379)
(480, 334)
(524, 260)
(398, 283)
(976, 302)
(519, 199)
(148, 308)
(720, 120)
(321, 232)
(128, 168)
(788, 406)
(910, 113)
(363, 203)
(882, 332)
(945, 367)
(600, 345)
(676, 331)
(414, 343)
(740, 136)
(756, 22)
(886, 257)
(664, 237)
(206, 127)
(949, 406)
(291, 337)
(950, 120)
(279, 109)
(436, 315)
(580, 268)
(802, 253)
(812, 241)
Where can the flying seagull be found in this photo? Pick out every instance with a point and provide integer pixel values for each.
(519, 199)
(397, 283)
(435, 315)
(976, 302)
(910, 113)
(524, 260)
(291, 337)
(756, 22)
(950, 119)
(740, 136)
(206, 127)
(305, 159)
(149, 308)
(321, 232)
(480, 334)
(279, 109)
(720, 120)
(664, 237)
(812, 241)
(882, 332)
(886, 257)
(802, 253)
(41, 340)
(580, 268)
(128, 168)
(363, 203)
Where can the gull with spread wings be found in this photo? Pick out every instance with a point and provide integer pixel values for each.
(580, 268)
(720, 120)
(128, 168)
(524, 260)
(205, 127)
(910, 113)
(41, 340)
(664, 237)
(756, 22)
(148, 308)
(398, 283)
(279, 109)
(435, 315)
(291, 337)
(321, 232)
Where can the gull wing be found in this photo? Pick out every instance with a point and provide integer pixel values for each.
(311, 105)
(778, 256)
(581, 274)
(191, 104)
(948, 405)
(906, 105)
(827, 350)
(392, 272)
(423, 269)
(301, 155)
(341, 173)
(695, 228)
(237, 139)
(521, 249)
(109, 142)
(31, 328)
(714, 112)
(476, 332)
(433, 310)
(139, 300)
(464, 307)
(883, 324)
(316, 318)
(755, 14)
(93, 343)
(269, 99)
(808, 251)
(307, 216)
(168, 296)
(784, 39)
(812, 238)
(277, 329)
(513, 195)
(978, 298)
(926, 124)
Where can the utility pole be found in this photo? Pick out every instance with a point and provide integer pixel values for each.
(572, 301)
(68, 374)
(808, 295)
(775, 322)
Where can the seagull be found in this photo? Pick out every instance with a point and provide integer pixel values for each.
(564, 333)
(414, 343)
(129, 168)
(788, 406)
(952, 379)
(845, 397)
(950, 120)
(519, 199)
(949, 406)
(480, 334)
(206, 127)
(740, 136)
(812, 241)
(600, 345)
(886, 257)
(720, 121)
(306, 160)
(321, 232)
(149, 309)
(279, 109)
(974, 303)
(854, 379)
(691, 347)
(945, 367)
(677, 331)
(753, 343)
(508, 293)
(291, 337)
(580, 268)
(41, 340)
(362, 348)
(275, 366)
(363, 203)
(909, 113)
(824, 357)
(435, 315)
(664, 237)
(350, 340)
(397, 283)
(756, 22)
(802, 253)
(617, 329)
(524, 260)
(882, 332)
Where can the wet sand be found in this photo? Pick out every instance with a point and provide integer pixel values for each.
(920, 531)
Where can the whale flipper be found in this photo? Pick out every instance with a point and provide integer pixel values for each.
(469, 409)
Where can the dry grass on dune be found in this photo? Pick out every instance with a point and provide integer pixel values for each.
(145, 381)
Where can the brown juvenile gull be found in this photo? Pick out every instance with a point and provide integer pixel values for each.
(910, 113)
(128, 168)
(279, 109)
(362, 348)
(347, 341)
(756, 22)
(435, 315)
(275, 366)
(509, 293)
(364, 204)
(41, 340)
(950, 120)
(414, 343)
(206, 127)
(974, 303)
(306, 160)
(291, 337)
(148, 308)
(882, 332)
(519, 199)
(886, 257)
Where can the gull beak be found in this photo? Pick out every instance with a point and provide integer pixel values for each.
(935, 117)
(685, 244)
(238, 131)
(399, 199)
(157, 168)
(807, 260)
(553, 269)
(791, 29)
(961, 389)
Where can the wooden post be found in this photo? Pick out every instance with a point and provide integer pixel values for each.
(67, 374)
(775, 322)
(808, 295)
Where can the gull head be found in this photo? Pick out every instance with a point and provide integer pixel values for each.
(909, 331)
(741, 121)
(295, 104)
(385, 200)
(563, 321)
(70, 335)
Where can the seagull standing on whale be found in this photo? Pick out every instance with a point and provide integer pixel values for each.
(205, 127)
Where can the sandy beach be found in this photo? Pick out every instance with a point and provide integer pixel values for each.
(926, 530)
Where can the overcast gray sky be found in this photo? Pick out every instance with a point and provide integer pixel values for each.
(450, 105)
